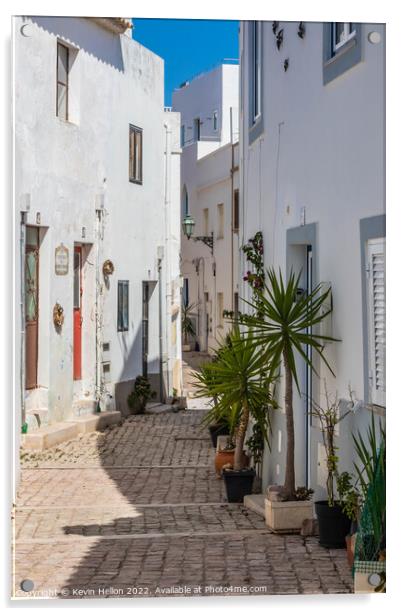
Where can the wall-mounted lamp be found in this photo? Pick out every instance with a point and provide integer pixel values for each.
(38, 218)
(188, 228)
(83, 232)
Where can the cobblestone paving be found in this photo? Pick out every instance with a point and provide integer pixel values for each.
(138, 511)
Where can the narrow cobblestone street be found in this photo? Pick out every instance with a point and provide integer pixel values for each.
(138, 511)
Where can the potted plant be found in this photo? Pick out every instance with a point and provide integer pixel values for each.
(187, 326)
(141, 394)
(283, 324)
(241, 385)
(370, 549)
(333, 522)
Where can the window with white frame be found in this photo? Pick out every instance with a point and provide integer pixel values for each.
(342, 32)
(135, 154)
(375, 267)
(256, 66)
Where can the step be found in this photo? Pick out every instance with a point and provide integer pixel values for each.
(256, 503)
(49, 436)
(157, 407)
(96, 421)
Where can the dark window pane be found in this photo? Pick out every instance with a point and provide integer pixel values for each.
(122, 306)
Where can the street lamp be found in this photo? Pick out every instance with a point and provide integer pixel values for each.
(188, 227)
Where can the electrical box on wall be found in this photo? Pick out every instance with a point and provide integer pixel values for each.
(326, 324)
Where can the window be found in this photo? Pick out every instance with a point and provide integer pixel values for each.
(197, 129)
(236, 210)
(341, 34)
(220, 309)
(135, 155)
(342, 48)
(215, 120)
(256, 74)
(62, 81)
(221, 221)
(206, 221)
(182, 135)
(185, 292)
(375, 267)
(122, 306)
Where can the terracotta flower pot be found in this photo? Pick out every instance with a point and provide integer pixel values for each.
(223, 457)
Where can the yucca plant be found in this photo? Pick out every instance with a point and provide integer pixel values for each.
(187, 327)
(282, 327)
(242, 386)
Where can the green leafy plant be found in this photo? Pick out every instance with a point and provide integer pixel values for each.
(254, 251)
(187, 326)
(303, 494)
(239, 381)
(283, 324)
(255, 443)
(141, 394)
(329, 417)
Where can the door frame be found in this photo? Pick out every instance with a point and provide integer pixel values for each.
(32, 248)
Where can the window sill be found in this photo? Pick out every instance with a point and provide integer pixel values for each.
(341, 51)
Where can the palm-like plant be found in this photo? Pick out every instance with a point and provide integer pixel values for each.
(187, 326)
(239, 380)
(282, 325)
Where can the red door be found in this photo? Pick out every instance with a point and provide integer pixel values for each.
(77, 342)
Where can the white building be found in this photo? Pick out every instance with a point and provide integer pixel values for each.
(312, 179)
(97, 219)
(209, 192)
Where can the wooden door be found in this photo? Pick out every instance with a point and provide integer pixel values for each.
(77, 316)
(31, 306)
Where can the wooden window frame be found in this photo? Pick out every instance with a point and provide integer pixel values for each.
(61, 83)
(134, 169)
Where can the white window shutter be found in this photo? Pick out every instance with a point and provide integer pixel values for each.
(376, 319)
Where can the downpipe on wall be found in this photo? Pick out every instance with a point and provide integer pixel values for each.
(22, 313)
(168, 294)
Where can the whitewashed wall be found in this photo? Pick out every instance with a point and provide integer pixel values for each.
(68, 169)
(206, 175)
(321, 153)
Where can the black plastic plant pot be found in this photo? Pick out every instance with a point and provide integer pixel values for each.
(216, 430)
(333, 525)
(238, 484)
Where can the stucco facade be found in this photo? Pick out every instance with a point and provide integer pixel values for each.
(312, 178)
(209, 192)
(73, 189)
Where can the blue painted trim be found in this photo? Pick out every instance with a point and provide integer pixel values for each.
(347, 56)
(255, 129)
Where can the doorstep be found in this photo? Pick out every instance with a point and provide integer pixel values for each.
(98, 421)
(255, 502)
(157, 407)
(50, 436)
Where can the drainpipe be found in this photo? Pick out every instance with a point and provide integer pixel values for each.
(22, 312)
(98, 221)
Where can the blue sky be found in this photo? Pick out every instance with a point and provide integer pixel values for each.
(188, 46)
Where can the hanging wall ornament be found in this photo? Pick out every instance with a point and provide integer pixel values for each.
(286, 65)
(279, 39)
(302, 30)
(58, 316)
(275, 25)
(108, 268)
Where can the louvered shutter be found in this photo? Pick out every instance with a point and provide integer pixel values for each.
(376, 319)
